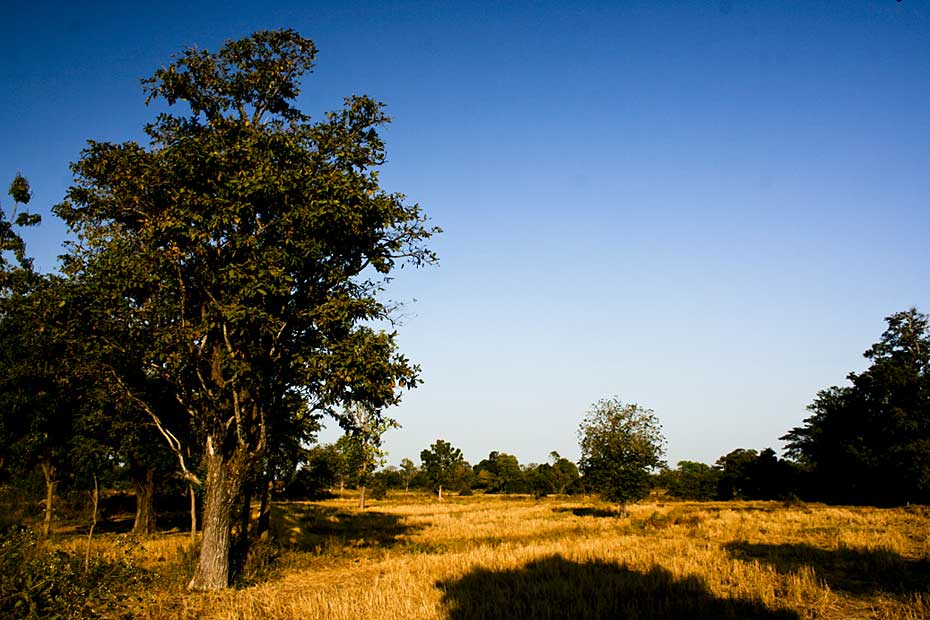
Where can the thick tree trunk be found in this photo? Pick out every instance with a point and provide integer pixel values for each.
(48, 470)
(361, 497)
(145, 503)
(225, 477)
(264, 510)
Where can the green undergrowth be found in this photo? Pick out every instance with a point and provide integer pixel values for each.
(37, 582)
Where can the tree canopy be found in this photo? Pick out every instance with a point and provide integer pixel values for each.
(869, 442)
(242, 252)
(441, 464)
(620, 446)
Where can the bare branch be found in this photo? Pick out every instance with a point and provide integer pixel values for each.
(173, 442)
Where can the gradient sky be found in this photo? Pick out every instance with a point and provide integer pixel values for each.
(706, 208)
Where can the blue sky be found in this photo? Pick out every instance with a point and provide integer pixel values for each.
(703, 207)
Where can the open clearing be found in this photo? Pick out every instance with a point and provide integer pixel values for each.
(485, 557)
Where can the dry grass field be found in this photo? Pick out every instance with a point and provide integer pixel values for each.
(485, 557)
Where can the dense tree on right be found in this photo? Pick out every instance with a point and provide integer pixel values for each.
(869, 442)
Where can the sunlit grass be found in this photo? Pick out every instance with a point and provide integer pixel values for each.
(411, 556)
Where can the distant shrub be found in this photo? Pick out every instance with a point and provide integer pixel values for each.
(379, 489)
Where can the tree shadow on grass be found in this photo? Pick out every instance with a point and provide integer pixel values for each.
(855, 571)
(555, 588)
(309, 527)
(588, 511)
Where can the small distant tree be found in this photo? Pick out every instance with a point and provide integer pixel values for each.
(319, 473)
(442, 464)
(564, 473)
(409, 472)
(361, 444)
(621, 444)
(500, 473)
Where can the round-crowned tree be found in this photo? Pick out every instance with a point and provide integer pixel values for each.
(620, 446)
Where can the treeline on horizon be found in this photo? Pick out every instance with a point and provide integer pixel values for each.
(865, 443)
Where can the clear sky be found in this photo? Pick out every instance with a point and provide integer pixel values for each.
(703, 207)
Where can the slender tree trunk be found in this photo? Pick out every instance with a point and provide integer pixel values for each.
(440, 492)
(225, 477)
(48, 470)
(264, 510)
(361, 497)
(145, 503)
(193, 494)
(245, 516)
(95, 500)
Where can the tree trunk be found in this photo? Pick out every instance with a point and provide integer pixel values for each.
(95, 499)
(145, 503)
(361, 497)
(245, 516)
(440, 492)
(264, 510)
(48, 470)
(193, 494)
(225, 477)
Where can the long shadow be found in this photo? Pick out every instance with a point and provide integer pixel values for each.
(587, 511)
(307, 527)
(855, 571)
(554, 588)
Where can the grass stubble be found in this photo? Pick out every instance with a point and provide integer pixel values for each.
(486, 557)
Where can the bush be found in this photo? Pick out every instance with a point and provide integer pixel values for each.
(36, 582)
(378, 490)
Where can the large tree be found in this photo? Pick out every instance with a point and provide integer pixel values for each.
(621, 444)
(244, 249)
(869, 442)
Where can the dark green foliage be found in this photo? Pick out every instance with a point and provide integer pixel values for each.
(499, 473)
(390, 478)
(559, 477)
(690, 480)
(240, 258)
(36, 583)
(10, 241)
(19, 189)
(621, 444)
(747, 474)
(869, 442)
(320, 472)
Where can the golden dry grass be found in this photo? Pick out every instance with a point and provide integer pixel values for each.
(412, 557)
